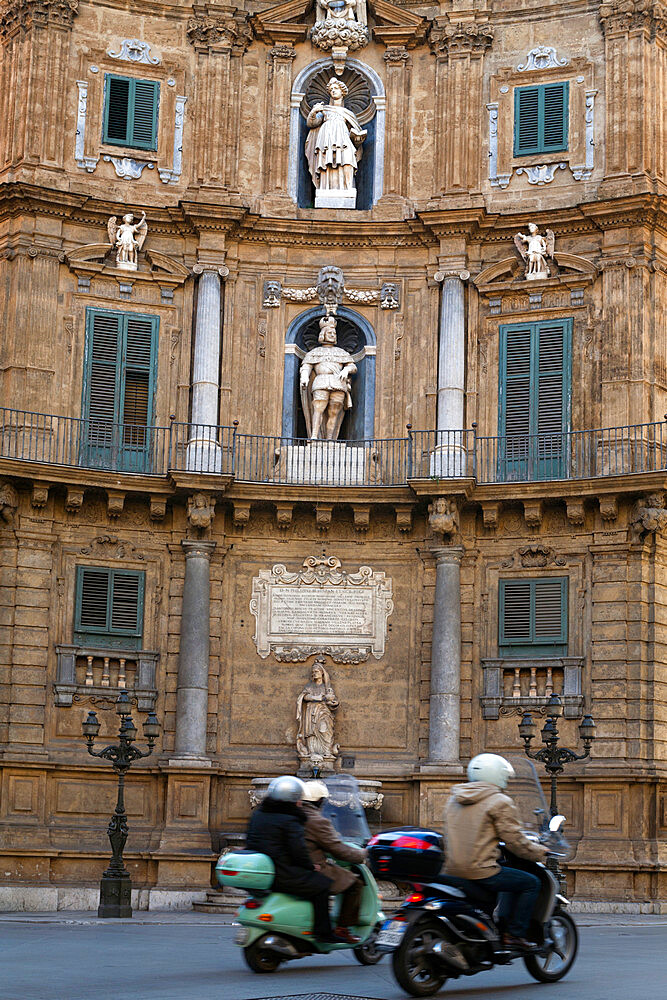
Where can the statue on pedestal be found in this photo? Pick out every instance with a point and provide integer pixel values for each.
(128, 239)
(333, 148)
(534, 250)
(315, 709)
(325, 384)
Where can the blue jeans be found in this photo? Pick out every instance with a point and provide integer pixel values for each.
(518, 894)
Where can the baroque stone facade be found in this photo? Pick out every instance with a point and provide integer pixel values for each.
(185, 473)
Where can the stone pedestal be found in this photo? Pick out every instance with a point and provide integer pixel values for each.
(326, 463)
(444, 717)
(336, 199)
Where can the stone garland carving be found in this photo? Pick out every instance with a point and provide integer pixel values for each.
(535, 556)
(110, 547)
(9, 502)
(223, 30)
(127, 168)
(534, 250)
(134, 50)
(315, 709)
(339, 29)
(541, 57)
(128, 239)
(87, 163)
(330, 290)
(542, 173)
(171, 175)
(26, 13)
(445, 39)
(321, 609)
(648, 517)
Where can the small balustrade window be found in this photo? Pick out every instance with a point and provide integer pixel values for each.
(533, 617)
(130, 111)
(109, 607)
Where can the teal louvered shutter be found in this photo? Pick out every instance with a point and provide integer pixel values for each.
(119, 387)
(532, 617)
(131, 112)
(534, 397)
(109, 607)
(541, 118)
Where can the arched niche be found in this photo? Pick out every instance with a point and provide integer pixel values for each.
(372, 117)
(356, 335)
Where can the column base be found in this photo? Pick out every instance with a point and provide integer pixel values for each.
(444, 767)
(115, 897)
(189, 760)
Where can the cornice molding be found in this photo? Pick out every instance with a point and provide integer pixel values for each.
(22, 15)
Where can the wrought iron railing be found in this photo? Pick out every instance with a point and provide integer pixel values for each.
(46, 439)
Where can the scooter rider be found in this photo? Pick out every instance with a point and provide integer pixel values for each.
(477, 816)
(276, 828)
(323, 840)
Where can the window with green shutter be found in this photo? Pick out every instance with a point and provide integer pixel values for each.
(109, 607)
(118, 390)
(532, 617)
(534, 395)
(541, 118)
(130, 111)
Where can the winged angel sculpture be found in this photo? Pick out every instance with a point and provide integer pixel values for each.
(128, 239)
(534, 250)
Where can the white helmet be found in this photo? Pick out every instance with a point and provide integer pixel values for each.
(315, 791)
(287, 788)
(492, 768)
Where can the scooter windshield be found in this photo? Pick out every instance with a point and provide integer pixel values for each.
(526, 792)
(344, 809)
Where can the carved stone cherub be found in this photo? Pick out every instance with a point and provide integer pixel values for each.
(128, 238)
(201, 511)
(648, 516)
(534, 250)
(443, 517)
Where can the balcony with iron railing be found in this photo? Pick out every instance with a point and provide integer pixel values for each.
(39, 441)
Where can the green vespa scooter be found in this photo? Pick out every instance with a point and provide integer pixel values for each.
(275, 927)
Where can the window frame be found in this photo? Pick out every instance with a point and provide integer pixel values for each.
(542, 146)
(110, 637)
(535, 646)
(130, 140)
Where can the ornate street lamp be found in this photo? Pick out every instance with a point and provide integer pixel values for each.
(116, 885)
(553, 756)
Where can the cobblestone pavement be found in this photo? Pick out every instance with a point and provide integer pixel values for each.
(163, 956)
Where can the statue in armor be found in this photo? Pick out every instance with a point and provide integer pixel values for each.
(325, 384)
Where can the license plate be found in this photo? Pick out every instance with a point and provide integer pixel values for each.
(391, 934)
(241, 936)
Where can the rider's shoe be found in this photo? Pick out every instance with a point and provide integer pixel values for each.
(345, 935)
(512, 943)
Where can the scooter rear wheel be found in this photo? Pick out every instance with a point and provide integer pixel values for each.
(414, 971)
(559, 960)
(367, 953)
(260, 959)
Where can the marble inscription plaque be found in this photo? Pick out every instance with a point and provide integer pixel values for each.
(321, 609)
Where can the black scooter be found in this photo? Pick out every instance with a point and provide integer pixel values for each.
(446, 929)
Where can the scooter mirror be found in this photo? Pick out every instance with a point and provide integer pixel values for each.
(555, 823)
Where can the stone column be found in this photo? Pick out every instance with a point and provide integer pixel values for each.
(193, 660)
(445, 695)
(203, 448)
(449, 457)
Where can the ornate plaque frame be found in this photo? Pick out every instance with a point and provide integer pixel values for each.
(369, 603)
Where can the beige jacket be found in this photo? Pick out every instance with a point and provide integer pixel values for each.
(477, 816)
(322, 840)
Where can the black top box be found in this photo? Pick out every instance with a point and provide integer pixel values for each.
(408, 853)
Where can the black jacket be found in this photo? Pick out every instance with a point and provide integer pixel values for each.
(277, 829)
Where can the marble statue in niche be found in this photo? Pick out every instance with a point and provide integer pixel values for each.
(534, 250)
(128, 239)
(333, 149)
(324, 383)
(315, 709)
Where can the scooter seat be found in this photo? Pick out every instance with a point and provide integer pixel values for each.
(474, 893)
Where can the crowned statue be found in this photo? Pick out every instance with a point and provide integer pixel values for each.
(333, 149)
(325, 384)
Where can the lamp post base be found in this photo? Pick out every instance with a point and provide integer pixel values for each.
(115, 897)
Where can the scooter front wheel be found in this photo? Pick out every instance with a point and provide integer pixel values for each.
(413, 964)
(557, 962)
(260, 959)
(367, 953)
